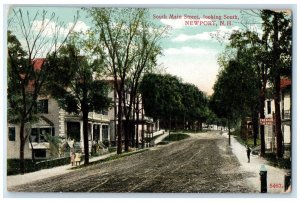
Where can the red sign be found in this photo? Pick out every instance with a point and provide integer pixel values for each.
(266, 121)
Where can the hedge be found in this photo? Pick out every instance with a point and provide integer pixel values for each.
(13, 165)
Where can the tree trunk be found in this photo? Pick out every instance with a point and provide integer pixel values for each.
(137, 124)
(120, 114)
(276, 58)
(278, 132)
(22, 146)
(32, 151)
(133, 125)
(262, 127)
(126, 134)
(115, 116)
(143, 126)
(200, 125)
(255, 126)
(85, 119)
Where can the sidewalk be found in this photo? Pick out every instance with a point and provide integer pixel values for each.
(160, 138)
(15, 180)
(274, 175)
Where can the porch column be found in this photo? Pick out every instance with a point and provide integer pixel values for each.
(92, 132)
(100, 135)
(108, 133)
(81, 135)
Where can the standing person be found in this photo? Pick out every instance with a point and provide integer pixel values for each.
(248, 153)
(73, 158)
(78, 157)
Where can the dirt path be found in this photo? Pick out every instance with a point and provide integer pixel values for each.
(203, 163)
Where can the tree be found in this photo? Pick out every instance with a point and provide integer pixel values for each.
(162, 97)
(195, 105)
(128, 45)
(77, 84)
(235, 92)
(147, 50)
(254, 51)
(25, 76)
(271, 54)
(278, 24)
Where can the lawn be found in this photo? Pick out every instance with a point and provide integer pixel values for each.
(176, 137)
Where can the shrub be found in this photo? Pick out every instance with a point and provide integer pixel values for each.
(13, 166)
(112, 149)
(52, 163)
(278, 162)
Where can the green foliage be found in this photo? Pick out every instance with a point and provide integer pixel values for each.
(52, 163)
(76, 84)
(278, 25)
(194, 103)
(166, 97)
(278, 162)
(112, 149)
(161, 95)
(13, 166)
(249, 142)
(73, 84)
(236, 91)
(55, 143)
(20, 99)
(163, 143)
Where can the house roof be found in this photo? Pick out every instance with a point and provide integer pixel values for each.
(285, 82)
(37, 63)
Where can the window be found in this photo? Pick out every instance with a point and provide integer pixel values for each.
(42, 106)
(39, 134)
(43, 132)
(34, 135)
(73, 131)
(105, 132)
(269, 107)
(96, 132)
(40, 153)
(12, 134)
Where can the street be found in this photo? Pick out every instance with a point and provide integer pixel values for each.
(203, 163)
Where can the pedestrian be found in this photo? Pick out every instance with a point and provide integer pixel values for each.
(73, 158)
(248, 153)
(78, 158)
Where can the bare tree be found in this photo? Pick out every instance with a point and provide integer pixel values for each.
(31, 39)
(123, 33)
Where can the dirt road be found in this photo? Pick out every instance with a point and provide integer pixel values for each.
(203, 163)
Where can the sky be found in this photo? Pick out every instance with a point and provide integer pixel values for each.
(192, 46)
(191, 51)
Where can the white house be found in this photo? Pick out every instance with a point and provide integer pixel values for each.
(285, 108)
(57, 122)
